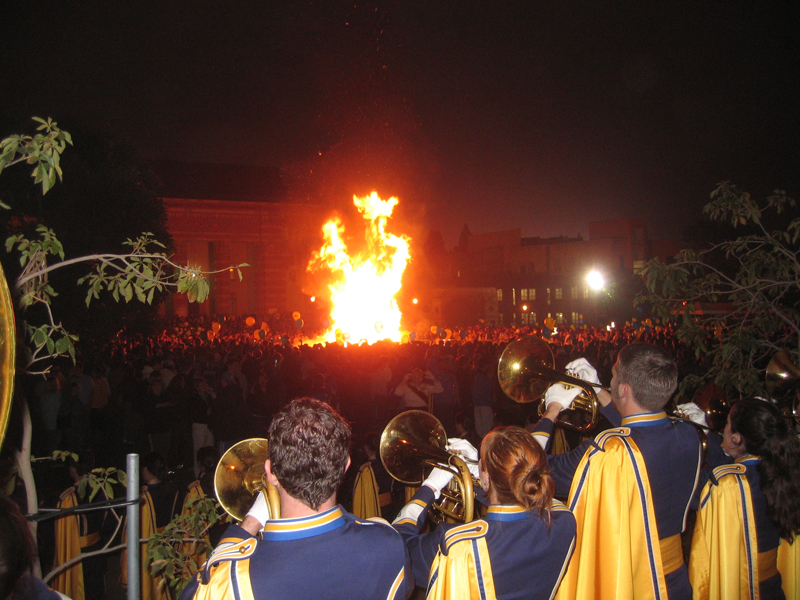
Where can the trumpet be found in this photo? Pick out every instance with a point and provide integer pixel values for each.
(413, 442)
(240, 475)
(527, 369)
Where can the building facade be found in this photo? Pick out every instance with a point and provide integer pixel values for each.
(537, 278)
(275, 239)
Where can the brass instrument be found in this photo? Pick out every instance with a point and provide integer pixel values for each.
(525, 371)
(7, 354)
(240, 475)
(414, 441)
(782, 378)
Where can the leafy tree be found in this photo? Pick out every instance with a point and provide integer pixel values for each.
(755, 276)
(139, 269)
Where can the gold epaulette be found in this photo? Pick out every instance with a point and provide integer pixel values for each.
(467, 531)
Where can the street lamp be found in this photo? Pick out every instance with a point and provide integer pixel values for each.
(595, 280)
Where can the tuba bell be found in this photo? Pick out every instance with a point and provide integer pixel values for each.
(525, 371)
(240, 475)
(413, 442)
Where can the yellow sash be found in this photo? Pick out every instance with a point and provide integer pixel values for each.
(365, 493)
(68, 546)
(465, 572)
(724, 559)
(789, 566)
(617, 551)
(151, 586)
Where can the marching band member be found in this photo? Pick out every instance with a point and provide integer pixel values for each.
(316, 549)
(747, 508)
(519, 550)
(630, 489)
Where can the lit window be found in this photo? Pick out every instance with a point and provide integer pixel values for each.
(584, 292)
(559, 318)
(532, 294)
(558, 294)
(523, 294)
(575, 318)
(548, 295)
(573, 292)
(499, 295)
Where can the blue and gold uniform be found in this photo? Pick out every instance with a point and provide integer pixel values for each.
(330, 555)
(78, 534)
(511, 553)
(652, 464)
(735, 546)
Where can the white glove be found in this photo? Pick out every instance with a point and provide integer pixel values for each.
(558, 394)
(692, 412)
(260, 509)
(584, 370)
(467, 451)
(438, 480)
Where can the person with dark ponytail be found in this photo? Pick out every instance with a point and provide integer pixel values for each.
(747, 508)
(520, 549)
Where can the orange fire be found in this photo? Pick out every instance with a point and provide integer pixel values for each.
(363, 287)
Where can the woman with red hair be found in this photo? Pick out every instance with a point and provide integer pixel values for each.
(520, 549)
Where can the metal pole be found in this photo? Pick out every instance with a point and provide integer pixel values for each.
(134, 529)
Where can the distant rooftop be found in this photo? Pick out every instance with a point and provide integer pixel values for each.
(561, 239)
(199, 181)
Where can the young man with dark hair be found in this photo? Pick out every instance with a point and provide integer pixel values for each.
(630, 488)
(316, 549)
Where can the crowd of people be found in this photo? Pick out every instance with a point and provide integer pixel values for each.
(183, 396)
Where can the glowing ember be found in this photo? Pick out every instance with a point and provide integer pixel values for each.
(363, 306)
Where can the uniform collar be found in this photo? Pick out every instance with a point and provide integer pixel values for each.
(748, 459)
(303, 527)
(506, 512)
(647, 419)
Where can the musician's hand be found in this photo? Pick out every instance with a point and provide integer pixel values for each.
(584, 370)
(259, 511)
(438, 480)
(467, 451)
(558, 395)
(692, 412)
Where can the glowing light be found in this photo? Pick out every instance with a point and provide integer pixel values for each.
(415, 301)
(313, 298)
(363, 287)
(524, 307)
(595, 280)
(515, 366)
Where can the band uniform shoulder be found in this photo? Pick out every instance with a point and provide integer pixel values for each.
(70, 491)
(722, 471)
(468, 531)
(604, 437)
(558, 506)
(232, 549)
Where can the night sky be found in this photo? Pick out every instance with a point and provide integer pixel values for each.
(539, 115)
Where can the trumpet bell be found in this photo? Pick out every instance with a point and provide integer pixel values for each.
(525, 371)
(515, 371)
(410, 442)
(415, 441)
(781, 375)
(240, 475)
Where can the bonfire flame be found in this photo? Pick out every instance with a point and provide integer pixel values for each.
(363, 287)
